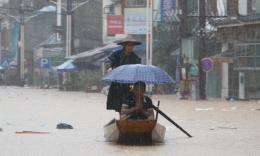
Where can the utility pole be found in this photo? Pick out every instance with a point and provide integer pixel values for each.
(21, 55)
(70, 9)
(21, 19)
(58, 36)
(72, 33)
(202, 50)
(180, 63)
(1, 39)
(183, 27)
(148, 31)
(68, 29)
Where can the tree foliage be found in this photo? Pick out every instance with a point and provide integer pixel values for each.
(165, 35)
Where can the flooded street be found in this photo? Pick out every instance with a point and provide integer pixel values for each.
(199, 48)
(218, 127)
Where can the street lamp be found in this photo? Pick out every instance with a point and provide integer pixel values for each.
(22, 19)
(70, 8)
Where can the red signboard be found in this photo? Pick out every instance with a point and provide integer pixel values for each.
(115, 24)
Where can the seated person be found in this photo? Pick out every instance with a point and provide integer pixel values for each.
(137, 105)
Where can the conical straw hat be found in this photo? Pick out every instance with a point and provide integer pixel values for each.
(129, 38)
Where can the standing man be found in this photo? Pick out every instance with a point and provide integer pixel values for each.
(120, 57)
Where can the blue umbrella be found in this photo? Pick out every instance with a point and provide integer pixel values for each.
(148, 74)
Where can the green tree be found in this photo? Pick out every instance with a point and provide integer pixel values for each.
(166, 42)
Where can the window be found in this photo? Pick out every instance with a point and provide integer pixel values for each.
(135, 3)
(248, 56)
(109, 9)
(253, 5)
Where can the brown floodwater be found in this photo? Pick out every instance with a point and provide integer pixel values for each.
(218, 127)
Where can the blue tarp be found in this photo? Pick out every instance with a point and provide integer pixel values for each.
(67, 66)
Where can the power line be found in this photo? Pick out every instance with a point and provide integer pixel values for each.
(54, 13)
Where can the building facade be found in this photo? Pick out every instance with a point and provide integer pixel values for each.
(238, 67)
(86, 31)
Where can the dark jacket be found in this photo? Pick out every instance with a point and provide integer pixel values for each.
(118, 58)
(118, 91)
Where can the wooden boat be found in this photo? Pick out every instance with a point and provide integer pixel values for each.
(138, 132)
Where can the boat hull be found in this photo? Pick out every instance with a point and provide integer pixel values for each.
(134, 131)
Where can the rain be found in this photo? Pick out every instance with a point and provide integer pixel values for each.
(124, 77)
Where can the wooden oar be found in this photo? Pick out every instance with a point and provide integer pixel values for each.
(169, 119)
(157, 111)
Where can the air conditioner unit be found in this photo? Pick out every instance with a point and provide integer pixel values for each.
(29, 3)
(115, 1)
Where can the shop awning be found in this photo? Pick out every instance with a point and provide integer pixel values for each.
(175, 52)
(102, 51)
(88, 55)
(102, 59)
(226, 56)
